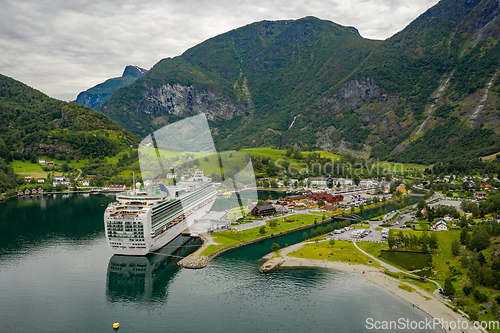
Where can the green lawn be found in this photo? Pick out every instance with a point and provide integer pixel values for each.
(399, 166)
(343, 251)
(233, 237)
(28, 169)
(371, 247)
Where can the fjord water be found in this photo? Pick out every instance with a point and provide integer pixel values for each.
(56, 275)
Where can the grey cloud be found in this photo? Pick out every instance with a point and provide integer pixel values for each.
(63, 47)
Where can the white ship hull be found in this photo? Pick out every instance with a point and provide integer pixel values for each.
(145, 243)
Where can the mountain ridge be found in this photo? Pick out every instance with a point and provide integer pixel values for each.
(384, 98)
(98, 94)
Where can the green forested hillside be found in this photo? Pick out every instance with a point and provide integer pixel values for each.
(269, 71)
(340, 91)
(33, 124)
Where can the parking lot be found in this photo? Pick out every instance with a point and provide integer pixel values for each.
(373, 236)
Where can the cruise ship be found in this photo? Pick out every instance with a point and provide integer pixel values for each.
(147, 218)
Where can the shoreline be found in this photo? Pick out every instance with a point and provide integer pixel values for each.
(427, 303)
(196, 261)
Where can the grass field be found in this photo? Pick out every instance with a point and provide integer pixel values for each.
(395, 166)
(233, 237)
(275, 154)
(28, 169)
(343, 251)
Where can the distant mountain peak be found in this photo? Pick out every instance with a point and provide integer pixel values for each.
(134, 71)
(95, 96)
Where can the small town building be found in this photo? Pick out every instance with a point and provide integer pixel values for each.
(28, 179)
(448, 218)
(326, 197)
(479, 195)
(41, 180)
(219, 224)
(318, 181)
(486, 186)
(41, 161)
(330, 209)
(115, 187)
(263, 210)
(280, 209)
(50, 163)
(439, 226)
(294, 198)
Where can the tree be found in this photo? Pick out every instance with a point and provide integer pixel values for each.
(261, 203)
(262, 230)
(321, 203)
(391, 240)
(265, 183)
(275, 246)
(479, 239)
(331, 242)
(433, 241)
(297, 155)
(357, 180)
(463, 222)
(464, 236)
(449, 289)
(64, 167)
(455, 248)
(481, 259)
(421, 204)
(273, 223)
(304, 235)
(494, 309)
(274, 184)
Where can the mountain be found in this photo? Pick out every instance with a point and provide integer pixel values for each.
(251, 82)
(433, 88)
(428, 93)
(32, 122)
(100, 93)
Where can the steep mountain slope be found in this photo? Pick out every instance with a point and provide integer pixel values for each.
(95, 96)
(32, 122)
(428, 93)
(251, 82)
(428, 88)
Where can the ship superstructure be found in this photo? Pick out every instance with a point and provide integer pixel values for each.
(147, 218)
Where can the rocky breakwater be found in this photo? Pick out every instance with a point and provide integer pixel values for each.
(197, 261)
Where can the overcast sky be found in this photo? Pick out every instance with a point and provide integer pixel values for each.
(62, 47)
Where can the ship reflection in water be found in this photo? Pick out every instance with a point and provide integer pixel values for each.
(146, 278)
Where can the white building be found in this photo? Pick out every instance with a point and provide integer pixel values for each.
(318, 181)
(439, 226)
(41, 161)
(218, 224)
(367, 183)
(448, 218)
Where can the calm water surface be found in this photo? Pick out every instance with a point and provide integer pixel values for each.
(58, 275)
